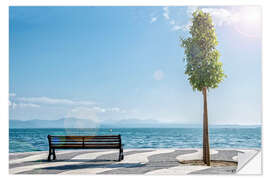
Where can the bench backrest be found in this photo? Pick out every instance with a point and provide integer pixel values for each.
(94, 142)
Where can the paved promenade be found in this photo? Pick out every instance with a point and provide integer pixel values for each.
(136, 161)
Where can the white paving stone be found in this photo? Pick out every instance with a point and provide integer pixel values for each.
(55, 163)
(178, 170)
(89, 156)
(41, 156)
(235, 158)
(142, 157)
(87, 171)
(134, 158)
(194, 156)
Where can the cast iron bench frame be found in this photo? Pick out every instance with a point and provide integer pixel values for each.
(85, 142)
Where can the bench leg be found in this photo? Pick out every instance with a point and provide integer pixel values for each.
(121, 155)
(51, 152)
(54, 155)
(49, 156)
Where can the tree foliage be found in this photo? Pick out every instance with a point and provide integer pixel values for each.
(201, 56)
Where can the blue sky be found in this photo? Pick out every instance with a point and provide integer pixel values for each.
(111, 63)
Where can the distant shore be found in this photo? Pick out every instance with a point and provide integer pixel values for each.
(124, 123)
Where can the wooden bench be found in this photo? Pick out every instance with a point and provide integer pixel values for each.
(85, 142)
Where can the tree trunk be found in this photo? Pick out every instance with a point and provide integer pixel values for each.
(206, 151)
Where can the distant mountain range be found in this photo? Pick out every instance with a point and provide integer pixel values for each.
(125, 123)
(60, 123)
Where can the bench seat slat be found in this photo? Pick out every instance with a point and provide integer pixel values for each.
(86, 137)
(95, 147)
(71, 144)
(115, 141)
(84, 141)
(55, 139)
(86, 146)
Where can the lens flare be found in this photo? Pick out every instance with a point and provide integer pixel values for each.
(248, 21)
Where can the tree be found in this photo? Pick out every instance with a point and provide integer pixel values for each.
(203, 68)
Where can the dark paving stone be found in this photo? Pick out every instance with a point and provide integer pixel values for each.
(169, 157)
(69, 156)
(225, 155)
(59, 157)
(156, 162)
(217, 170)
(101, 161)
(116, 154)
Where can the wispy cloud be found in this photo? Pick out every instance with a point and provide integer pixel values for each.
(158, 75)
(34, 102)
(91, 113)
(106, 110)
(153, 19)
(176, 27)
(190, 10)
(220, 16)
(29, 105)
(47, 100)
(14, 105)
(172, 21)
(166, 13)
(83, 113)
(115, 109)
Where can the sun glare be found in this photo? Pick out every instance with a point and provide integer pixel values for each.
(251, 15)
(249, 22)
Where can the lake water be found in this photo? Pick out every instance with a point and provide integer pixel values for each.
(25, 140)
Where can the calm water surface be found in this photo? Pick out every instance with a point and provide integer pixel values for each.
(24, 140)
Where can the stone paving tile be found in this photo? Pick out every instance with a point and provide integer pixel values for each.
(156, 162)
(217, 170)
(169, 157)
(114, 156)
(59, 157)
(141, 161)
(19, 155)
(225, 155)
(100, 161)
